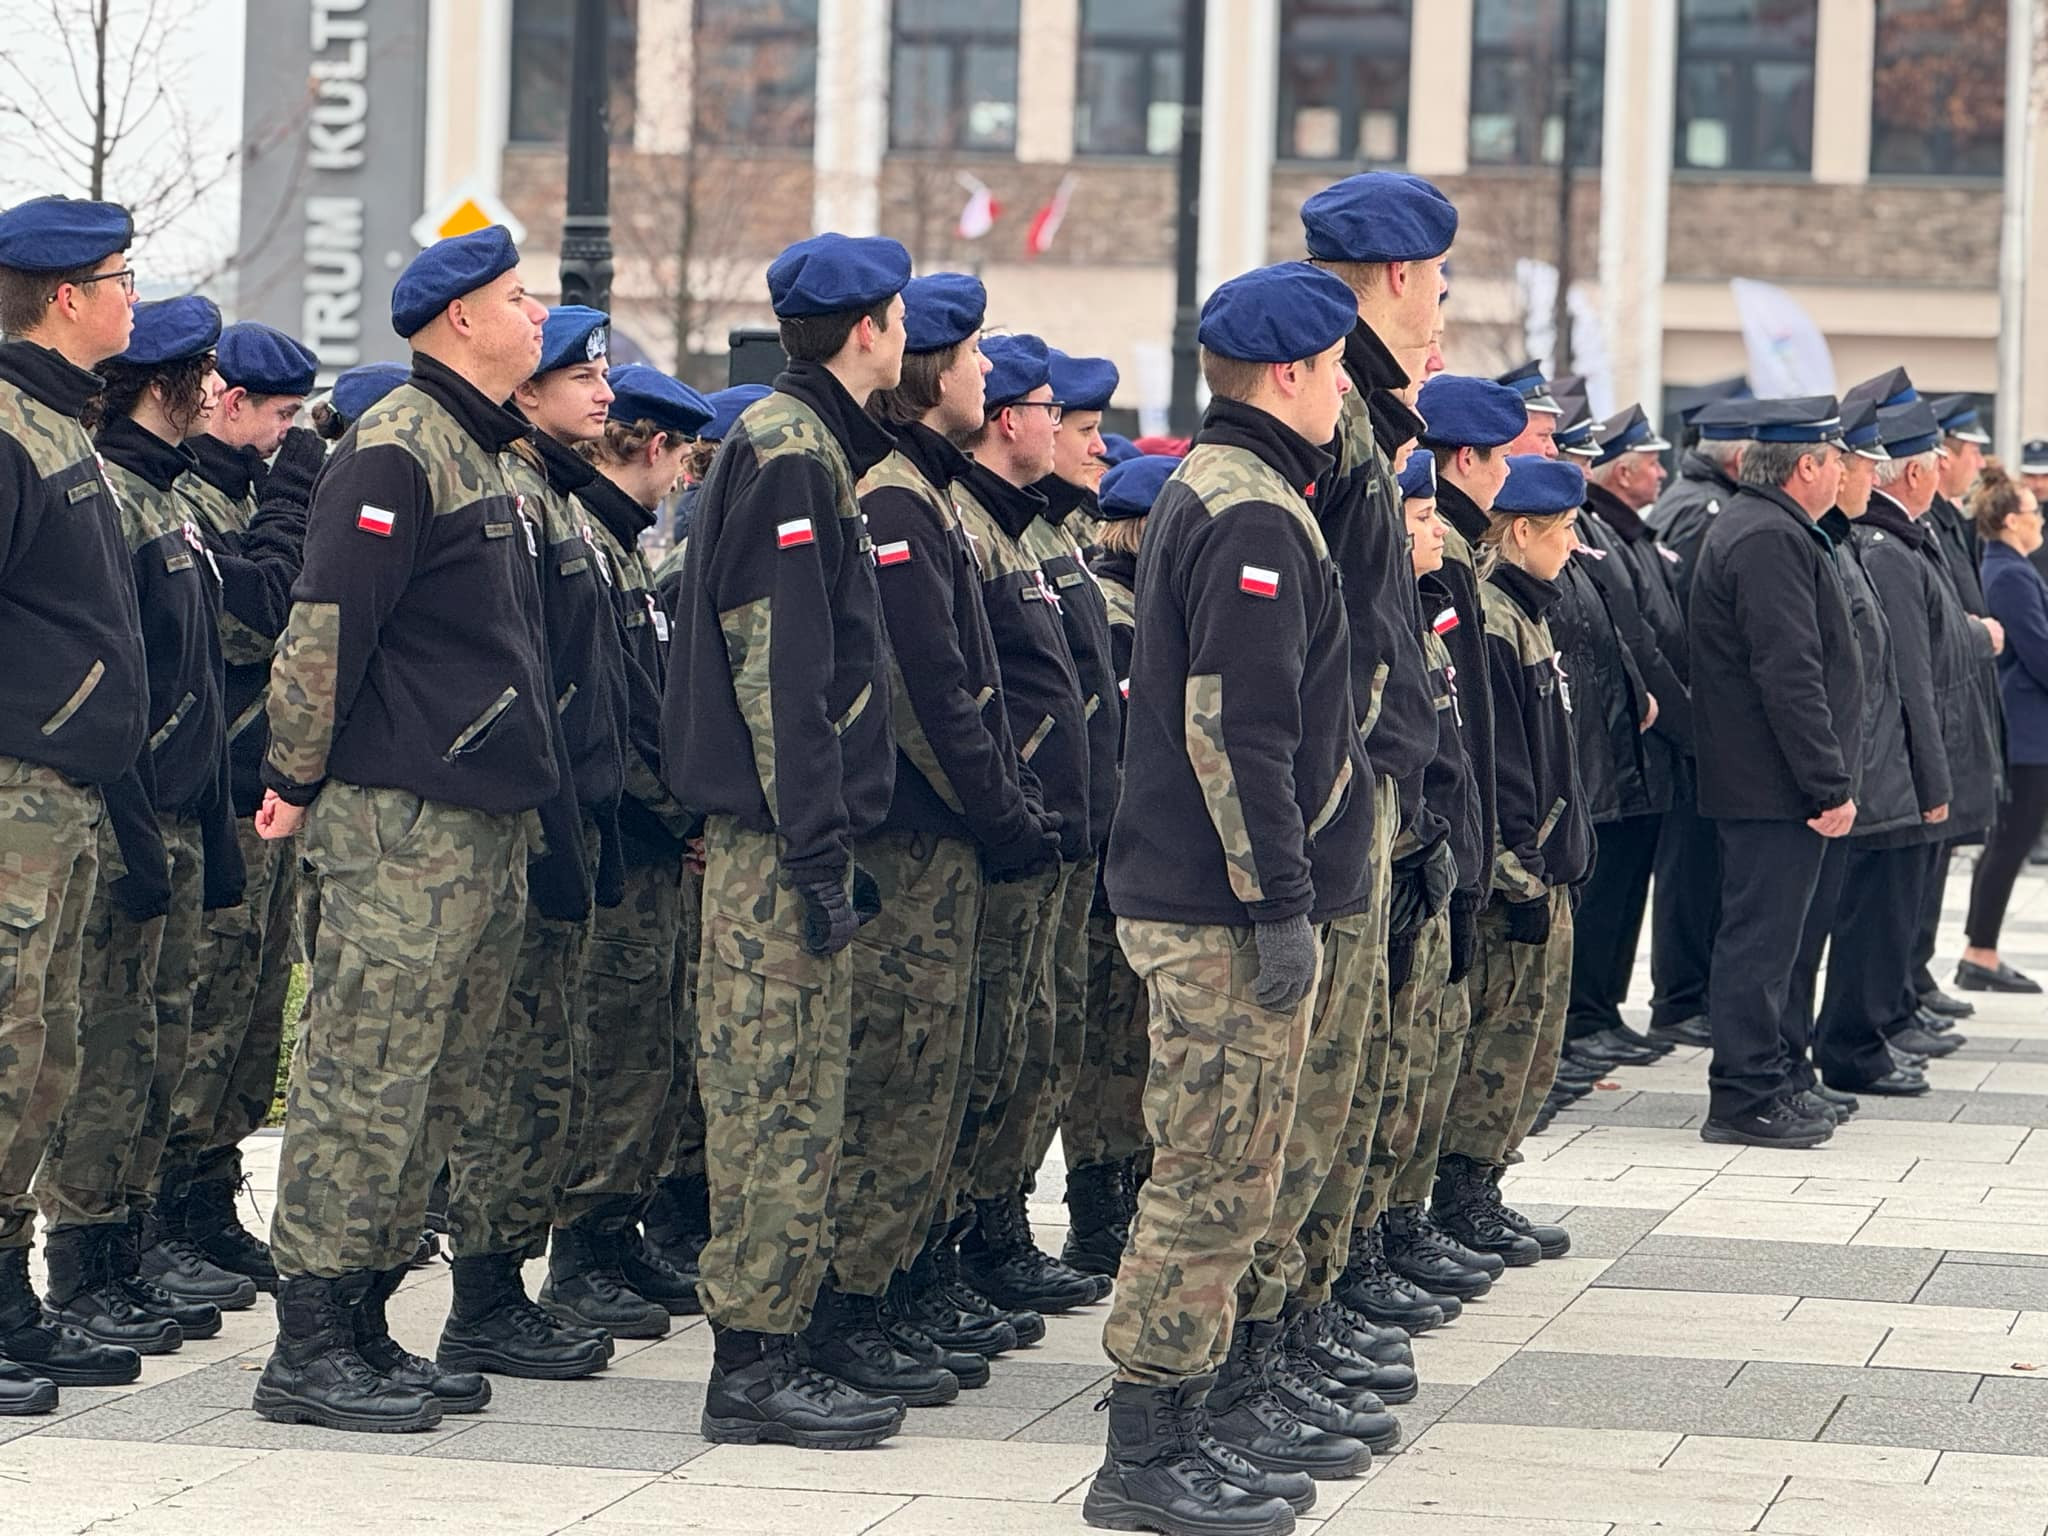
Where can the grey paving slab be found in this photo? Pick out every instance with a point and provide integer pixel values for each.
(970, 1419)
(1607, 1231)
(1656, 1110)
(1939, 1104)
(1742, 1265)
(1861, 1381)
(1998, 1046)
(225, 1384)
(1431, 1404)
(140, 1417)
(2003, 1109)
(1020, 1382)
(596, 1403)
(2004, 1260)
(241, 1427)
(1692, 1397)
(557, 1445)
(1074, 1422)
(2014, 1286)
(2002, 1427)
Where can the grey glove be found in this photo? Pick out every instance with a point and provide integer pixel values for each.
(1287, 964)
(829, 919)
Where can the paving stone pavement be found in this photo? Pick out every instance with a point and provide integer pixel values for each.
(1846, 1342)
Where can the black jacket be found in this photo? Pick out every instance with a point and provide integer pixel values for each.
(1546, 839)
(777, 711)
(1243, 744)
(1660, 645)
(1085, 618)
(1777, 683)
(67, 595)
(1887, 802)
(1449, 786)
(1961, 552)
(1602, 611)
(1466, 525)
(1685, 512)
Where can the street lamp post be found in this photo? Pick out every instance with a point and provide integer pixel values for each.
(587, 226)
(1188, 221)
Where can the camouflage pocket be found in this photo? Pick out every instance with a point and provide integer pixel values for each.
(1217, 1089)
(634, 964)
(371, 979)
(760, 1036)
(24, 898)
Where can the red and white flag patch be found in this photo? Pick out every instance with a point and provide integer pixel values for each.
(794, 534)
(377, 520)
(897, 553)
(1445, 622)
(1259, 581)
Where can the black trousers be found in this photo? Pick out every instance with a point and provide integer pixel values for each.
(1801, 1000)
(1769, 870)
(1685, 907)
(1929, 920)
(1870, 991)
(2005, 851)
(1609, 924)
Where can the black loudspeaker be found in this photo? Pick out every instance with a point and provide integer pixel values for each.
(755, 355)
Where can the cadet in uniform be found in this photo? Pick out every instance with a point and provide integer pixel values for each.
(71, 726)
(726, 405)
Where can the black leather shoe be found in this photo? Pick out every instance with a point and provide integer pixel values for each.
(495, 1329)
(315, 1376)
(1777, 1125)
(1621, 1034)
(1916, 1041)
(1415, 1252)
(778, 1397)
(848, 1341)
(1845, 1103)
(85, 1291)
(1940, 1003)
(1693, 1031)
(1593, 1051)
(1000, 1261)
(584, 1285)
(1162, 1472)
(1466, 1204)
(1626, 1047)
(1096, 1231)
(1369, 1286)
(1972, 977)
(1899, 1083)
(1578, 1073)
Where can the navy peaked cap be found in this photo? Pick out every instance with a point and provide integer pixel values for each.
(1796, 419)
(1528, 382)
(1627, 431)
(1907, 430)
(1860, 432)
(1888, 389)
(1959, 419)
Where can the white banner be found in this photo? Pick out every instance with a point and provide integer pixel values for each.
(1787, 353)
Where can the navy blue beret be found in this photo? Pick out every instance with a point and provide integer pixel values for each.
(62, 234)
(1861, 434)
(726, 405)
(1887, 389)
(1081, 383)
(1540, 487)
(445, 271)
(1379, 216)
(1909, 429)
(1130, 488)
(1528, 382)
(1119, 450)
(1017, 366)
(171, 331)
(830, 274)
(572, 334)
(941, 310)
(264, 361)
(642, 393)
(1627, 431)
(1466, 412)
(1418, 480)
(1959, 420)
(357, 389)
(1278, 314)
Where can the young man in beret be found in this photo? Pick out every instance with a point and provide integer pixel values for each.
(776, 726)
(70, 725)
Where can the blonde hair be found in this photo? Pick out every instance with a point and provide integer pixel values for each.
(1120, 535)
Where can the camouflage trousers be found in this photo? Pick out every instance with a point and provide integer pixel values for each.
(135, 1019)
(1104, 1120)
(1074, 1023)
(1013, 1033)
(1411, 1064)
(421, 909)
(774, 1024)
(1518, 994)
(625, 1053)
(913, 979)
(1219, 1104)
(49, 871)
(238, 1001)
(682, 1135)
(1416, 1178)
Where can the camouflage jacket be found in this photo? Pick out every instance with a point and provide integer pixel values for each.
(67, 598)
(1084, 615)
(1242, 745)
(1545, 838)
(777, 706)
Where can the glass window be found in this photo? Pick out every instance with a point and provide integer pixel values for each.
(543, 36)
(953, 76)
(1938, 99)
(1127, 101)
(757, 72)
(1515, 48)
(1745, 85)
(1344, 81)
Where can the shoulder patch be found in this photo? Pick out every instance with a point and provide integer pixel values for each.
(377, 520)
(794, 534)
(897, 553)
(1259, 581)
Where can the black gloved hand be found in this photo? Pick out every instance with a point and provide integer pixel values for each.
(1287, 964)
(1400, 960)
(829, 920)
(1529, 921)
(1407, 903)
(1464, 934)
(867, 896)
(293, 469)
(1439, 876)
(1033, 851)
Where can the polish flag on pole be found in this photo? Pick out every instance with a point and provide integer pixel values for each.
(1046, 222)
(982, 210)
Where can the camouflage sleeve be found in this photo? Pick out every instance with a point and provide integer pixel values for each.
(1517, 855)
(1247, 589)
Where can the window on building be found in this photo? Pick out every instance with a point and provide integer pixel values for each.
(756, 72)
(543, 37)
(1127, 99)
(1938, 99)
(1344, 80)
(1516, 45)
(1745, 85)
(953, 77)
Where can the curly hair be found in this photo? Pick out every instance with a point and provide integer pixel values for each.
(183, 384)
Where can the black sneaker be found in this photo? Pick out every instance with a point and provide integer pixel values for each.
(1779, 1124)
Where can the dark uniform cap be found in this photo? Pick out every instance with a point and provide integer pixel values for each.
(1528, 382)
(1464, 412)
(357, 389)
(726, 405)
(1278, 314)
(1379, 216)
(2034, 456)
(1578, 440)
(1795, 419)
(1909, 429)
(1539, 487)
(62, 234)
(831, 274)
(941, 310)
(1724, 421)
(1081, 383)
(1418, 480)
(1017, 366)
(643, 393)
(1959, 420)
(445, 271)
(1626, 431)
(1119, 450)
(1130, 488)
(264, 361)
(1860, 432)
(172, 330)
(572, 334)
(1888, 389)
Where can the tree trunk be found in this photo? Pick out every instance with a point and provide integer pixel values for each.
(100, 147)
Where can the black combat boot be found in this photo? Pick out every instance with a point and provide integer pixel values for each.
(1297, 1488)
(1158, 1475)
(195, 1319)
(1490, 1265)
(1467, 1206)
(1552, 1239)
(1100, 1285)
(1369, 1286)
(1027, 1325)
(173, 1261)
(1248, 1413)
(849, 1342)
(213, 1225)
(455, 1391)
(1415, 1252)
(22, 1391)
(965, 1366)
(1000, 1261)
(584, 1285)
(1381, 1343)
(315, 1375)
(1325, 1401)
(494, 1328)
(648, 1272)
(762, 1389)
(678, 1221)
(918, 1298)
(48, 1350)
(85, 1293)
(1393, 1383)
(1097, 1224)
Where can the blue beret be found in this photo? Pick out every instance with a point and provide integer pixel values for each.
(264, 361)
(1798, 419)
(1861, 434)
(62, 234)
(445, 271)
(171, 331)
(1528, 382)
(726, 405)
(1464, 412)
(1081, 383)
(1540, 487)
(1119, 450)
(1887, 389)
(830, 274)
(1959, 420)
(1418, 480)
(1627, 431)
(1278, 314)
(641, 393)
(942, 310)
(572, 334)
(1017, 366)
(357, 389)
(1130, 488)
(1379, 216)
(1907, 430)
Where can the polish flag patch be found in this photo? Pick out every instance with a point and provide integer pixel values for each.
(376, 520)
(1124, 687)
(1259, 581)
(1445, 622)
(893, 554)
(794, 533)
